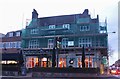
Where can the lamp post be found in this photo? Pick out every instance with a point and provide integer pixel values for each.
(89, 57)
(83, 57)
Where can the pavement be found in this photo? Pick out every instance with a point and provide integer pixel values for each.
(88, 76)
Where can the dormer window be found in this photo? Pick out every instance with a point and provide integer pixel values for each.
(66, 26)
(11, 34)
(51, 26)
(84, 28)
(34, 31)
(17, 33)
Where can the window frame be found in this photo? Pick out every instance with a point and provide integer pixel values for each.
(34, 31)
(87, 43)
(85, 28)
(50, 43)
(51, 26)
(66, 26)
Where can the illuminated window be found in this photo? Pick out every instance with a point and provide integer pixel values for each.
(62, 62)
(11, 62)
(44, 59)
(31, 62)
(3, 62)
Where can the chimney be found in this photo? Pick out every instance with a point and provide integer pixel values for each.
(34, 14)
(85, 12)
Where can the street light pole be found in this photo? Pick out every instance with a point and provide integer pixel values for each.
(89, 57)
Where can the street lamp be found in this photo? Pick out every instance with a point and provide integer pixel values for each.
(89, 57)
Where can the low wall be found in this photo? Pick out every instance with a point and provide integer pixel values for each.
(39, 72)
(10, 70)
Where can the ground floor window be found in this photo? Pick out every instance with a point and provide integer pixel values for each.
(36, 61)
(62, 62)
(88, 62)
(31, 62)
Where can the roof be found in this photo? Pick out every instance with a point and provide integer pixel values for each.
(58, 20)
(61, 19)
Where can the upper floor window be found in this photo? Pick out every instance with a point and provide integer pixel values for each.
(84, 28)
(64, 42)
(66, 26)
(50, 43)
(1, 45)
(11, 34)
(17, 33)
(86, 41)
(51, 26)
(16, 44)
(34, 31)
(33, 44)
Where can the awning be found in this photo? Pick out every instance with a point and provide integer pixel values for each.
(12, 56)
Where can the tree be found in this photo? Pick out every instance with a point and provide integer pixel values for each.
(110, 51)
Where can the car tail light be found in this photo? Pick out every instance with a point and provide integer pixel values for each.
(113, 71)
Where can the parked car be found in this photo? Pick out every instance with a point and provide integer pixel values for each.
(115, 71)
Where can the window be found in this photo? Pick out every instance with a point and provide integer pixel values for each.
(34, 31)
(1, 45)
(50, 43)
(84, 28)
(17, 44)
(66, 26)
(33, 44)
(86, 41)
(64, 42)
(51, 26)
(17, 33)
(10, 34)
(14, 44)
(10, 44)
(7, 45)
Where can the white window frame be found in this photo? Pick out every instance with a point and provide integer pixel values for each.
(17, 33)
(51, 26)
(64, 42)
(50, 43)
(11, 34)
(34, 31)
(66, 26)
(33, 43)
(86, 41)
